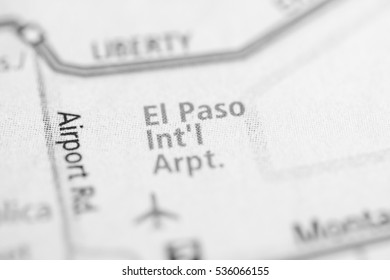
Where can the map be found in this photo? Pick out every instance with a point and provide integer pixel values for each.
(194, 129)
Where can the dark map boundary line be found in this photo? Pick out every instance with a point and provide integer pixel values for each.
(47, 53)
(339, 249)
(65, 225)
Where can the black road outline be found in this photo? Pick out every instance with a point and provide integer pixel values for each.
(47, 53)
(342, 248)
(66, 229)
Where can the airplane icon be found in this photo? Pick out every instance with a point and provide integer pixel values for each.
(156, 214)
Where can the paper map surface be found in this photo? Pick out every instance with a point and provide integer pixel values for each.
(217, 129)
